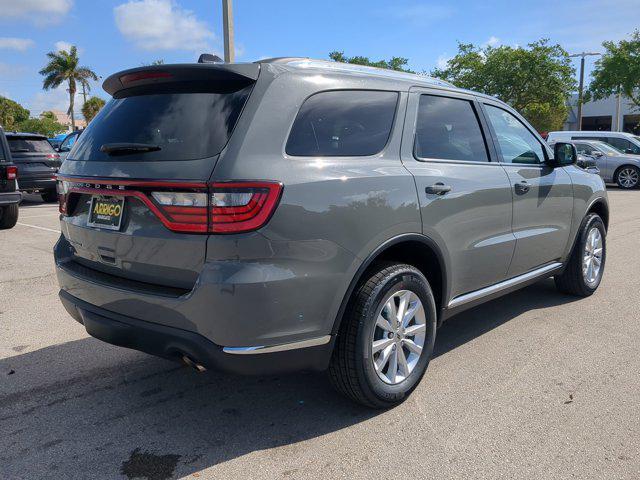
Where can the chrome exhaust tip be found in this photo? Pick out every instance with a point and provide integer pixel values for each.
(190, 363)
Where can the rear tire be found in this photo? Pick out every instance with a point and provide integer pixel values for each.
(8, 216)
(370, 337)
(590, 249)
(628, 177)
(49, 196)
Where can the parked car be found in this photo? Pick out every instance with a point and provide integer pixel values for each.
(615, 166)
(625, 142)
(67, 143)
(57, 140)
(588, 163)
(301, 214)
(37, 163)
(10, 197)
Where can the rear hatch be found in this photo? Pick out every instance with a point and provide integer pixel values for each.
(134, 184)
(35, 157)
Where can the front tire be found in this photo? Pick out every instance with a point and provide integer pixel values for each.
(386, 339)
(628, 177)
(583, 273)
(8, 216)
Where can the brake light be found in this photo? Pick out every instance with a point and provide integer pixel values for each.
(53, 156)
(149, 75)
(12, 172)
(63, 191)
(242, 206)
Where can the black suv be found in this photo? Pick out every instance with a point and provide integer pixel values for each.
(9, 196)
(37, 163)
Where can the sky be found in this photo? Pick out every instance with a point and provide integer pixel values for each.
(113, 35)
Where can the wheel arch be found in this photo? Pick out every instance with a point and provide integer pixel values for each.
(414, 249)
(600, 207)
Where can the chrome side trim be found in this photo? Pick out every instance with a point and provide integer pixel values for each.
(498, 287)
(312, 342)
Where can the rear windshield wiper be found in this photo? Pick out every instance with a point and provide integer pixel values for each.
(128, 148)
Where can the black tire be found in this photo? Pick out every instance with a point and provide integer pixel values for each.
(627, 171)
(351, 370)
(49, 196)
(572, 280)
(8, 216)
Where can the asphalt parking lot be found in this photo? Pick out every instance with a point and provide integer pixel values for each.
(533, 385)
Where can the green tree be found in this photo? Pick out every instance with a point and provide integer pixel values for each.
(618, 70)
(11, 113)
(91, 108)
(50, 115)
(536, 80)
(64, 66)
(44, 125)
(395, 63)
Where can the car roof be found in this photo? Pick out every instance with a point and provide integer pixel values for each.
(301, 64)
(591, 133)
(34, 136)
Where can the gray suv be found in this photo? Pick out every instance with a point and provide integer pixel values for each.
(300, 214)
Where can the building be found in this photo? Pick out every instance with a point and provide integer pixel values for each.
(65, 120)
(605, 114)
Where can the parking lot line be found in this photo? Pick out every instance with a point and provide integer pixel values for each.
(36, 216)
(39, 228)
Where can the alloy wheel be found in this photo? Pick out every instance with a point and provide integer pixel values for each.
(592, 257)
(628, 177)
(398, 337)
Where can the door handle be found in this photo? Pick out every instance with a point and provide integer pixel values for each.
(438, 189)
(522, 187)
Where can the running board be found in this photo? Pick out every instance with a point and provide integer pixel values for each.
(506, 285)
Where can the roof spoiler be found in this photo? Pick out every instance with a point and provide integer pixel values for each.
(243, 74)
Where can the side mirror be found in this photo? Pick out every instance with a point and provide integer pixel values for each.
(597, 153)
(628, 150)
(64, 149)
(564, 154)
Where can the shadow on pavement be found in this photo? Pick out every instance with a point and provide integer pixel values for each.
(84, 409)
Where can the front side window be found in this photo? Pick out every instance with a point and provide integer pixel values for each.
(584, 149)
(343, 123)
(517, 144)
(448, 128)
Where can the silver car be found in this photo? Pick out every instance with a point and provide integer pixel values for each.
(615, 166)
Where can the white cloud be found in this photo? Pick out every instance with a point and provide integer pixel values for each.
(162, 25)
(62, 46)
(38, 11)
(12, 71)
(442, 61)
(492, 42)
(54, 99)
(13, 43)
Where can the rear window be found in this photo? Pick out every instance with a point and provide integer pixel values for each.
(343, 123)
(185, 125)
(29, 145)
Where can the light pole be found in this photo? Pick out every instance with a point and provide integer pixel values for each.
(582, 56)
(227, 21)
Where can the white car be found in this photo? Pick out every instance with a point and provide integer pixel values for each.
(625, 142)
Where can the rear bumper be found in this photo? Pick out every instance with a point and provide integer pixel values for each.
(10, 198)
(173, 343)
(29, 184)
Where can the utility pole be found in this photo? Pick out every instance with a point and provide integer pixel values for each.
(84, 92)
(580, 92)
(618, 101)
(227, 20)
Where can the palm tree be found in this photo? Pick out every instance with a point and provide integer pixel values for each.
(63, 67)
(91, 108)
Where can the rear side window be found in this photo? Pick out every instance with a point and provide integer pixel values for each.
(183, 124)
(343, 123)
(448, 128)
(29, 145)
(3, 157)
(623, 145)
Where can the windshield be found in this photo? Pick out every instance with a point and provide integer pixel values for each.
(29, 145)
(184, 125)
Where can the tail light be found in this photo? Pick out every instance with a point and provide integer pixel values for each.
(53, 156)
(12, 172)
(232, 207)
(242, 206)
